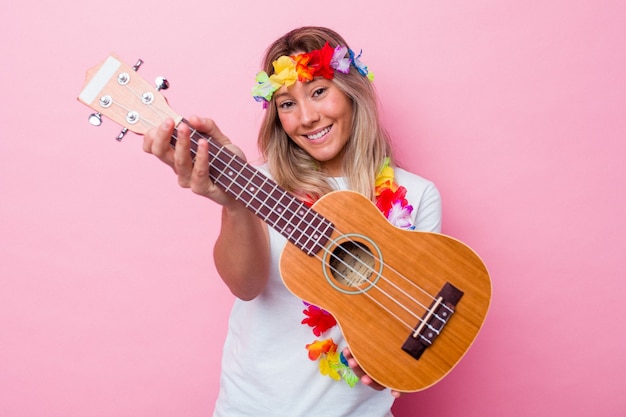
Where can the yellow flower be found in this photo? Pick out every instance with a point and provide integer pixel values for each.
(284, 71)
(328, 365)
(385, 178)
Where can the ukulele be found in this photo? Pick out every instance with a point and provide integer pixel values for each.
(407, 319)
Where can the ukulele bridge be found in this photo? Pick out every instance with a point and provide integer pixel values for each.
(433, 321)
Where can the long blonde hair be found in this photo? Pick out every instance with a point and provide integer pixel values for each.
(365, 151)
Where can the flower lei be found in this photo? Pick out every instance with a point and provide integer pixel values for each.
(391, 201)
(304, 67)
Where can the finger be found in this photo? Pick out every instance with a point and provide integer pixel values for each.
(363, 377)
(367, 380)
(352, 362)
(200, 181)
(209, 127)
(148, 139)
(158, 140)
(183, 164)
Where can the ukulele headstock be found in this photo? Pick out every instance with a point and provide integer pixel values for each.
(115, 90)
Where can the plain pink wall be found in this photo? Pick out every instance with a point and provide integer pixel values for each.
(109, 303)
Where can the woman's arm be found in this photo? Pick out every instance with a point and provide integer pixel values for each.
(241, 251)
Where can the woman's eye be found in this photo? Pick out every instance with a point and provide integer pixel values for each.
(285, 104)
(319, 91)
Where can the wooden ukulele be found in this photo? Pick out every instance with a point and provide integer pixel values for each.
(407, 319)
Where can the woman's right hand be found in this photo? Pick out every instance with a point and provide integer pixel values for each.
(193, 175)
(241, 251)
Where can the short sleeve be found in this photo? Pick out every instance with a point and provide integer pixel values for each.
(424, 196)
(428, 213)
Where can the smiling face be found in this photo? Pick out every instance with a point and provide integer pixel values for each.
(317, 116)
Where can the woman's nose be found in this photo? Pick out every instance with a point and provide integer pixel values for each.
(308, 114)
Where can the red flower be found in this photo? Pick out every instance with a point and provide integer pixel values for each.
(320, 62)
(320, 320)
(387, 198)
(326, 56)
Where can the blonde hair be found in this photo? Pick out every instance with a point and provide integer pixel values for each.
(292, 167)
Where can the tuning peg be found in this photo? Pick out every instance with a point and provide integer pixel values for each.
(162, 83)
(137, 65)
(95, 119)
(121, 134)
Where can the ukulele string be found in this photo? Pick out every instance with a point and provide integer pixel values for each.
(363, 277)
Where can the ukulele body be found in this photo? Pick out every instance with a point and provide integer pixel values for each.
(397, 277)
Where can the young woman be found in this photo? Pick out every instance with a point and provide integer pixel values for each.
(321, 133)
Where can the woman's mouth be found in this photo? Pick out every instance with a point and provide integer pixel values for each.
(319, 134)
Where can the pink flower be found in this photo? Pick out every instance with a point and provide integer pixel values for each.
(340, 61)
(400, 215)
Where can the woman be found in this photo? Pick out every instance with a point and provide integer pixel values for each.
(321, 132)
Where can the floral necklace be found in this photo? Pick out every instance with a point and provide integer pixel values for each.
(391, 201)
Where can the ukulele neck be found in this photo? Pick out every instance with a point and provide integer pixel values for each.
(289, 216)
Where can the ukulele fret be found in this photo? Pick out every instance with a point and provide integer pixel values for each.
(300, 224)
(267, 208)
(316, 234)
(288, 215)
(252, 191)
(223, 167)
(256, 204)
(299, 215)
(234, 186)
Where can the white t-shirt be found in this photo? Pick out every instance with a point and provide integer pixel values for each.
(265, 366)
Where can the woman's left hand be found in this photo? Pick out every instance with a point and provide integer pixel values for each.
(363, 377)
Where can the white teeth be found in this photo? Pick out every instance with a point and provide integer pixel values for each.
(319, 134)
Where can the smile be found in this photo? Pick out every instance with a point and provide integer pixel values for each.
(319, 134)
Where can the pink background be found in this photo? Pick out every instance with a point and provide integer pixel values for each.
(109, 303)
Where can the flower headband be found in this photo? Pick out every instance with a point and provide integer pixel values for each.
(304, 67)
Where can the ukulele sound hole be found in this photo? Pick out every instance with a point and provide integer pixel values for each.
(352, 264)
